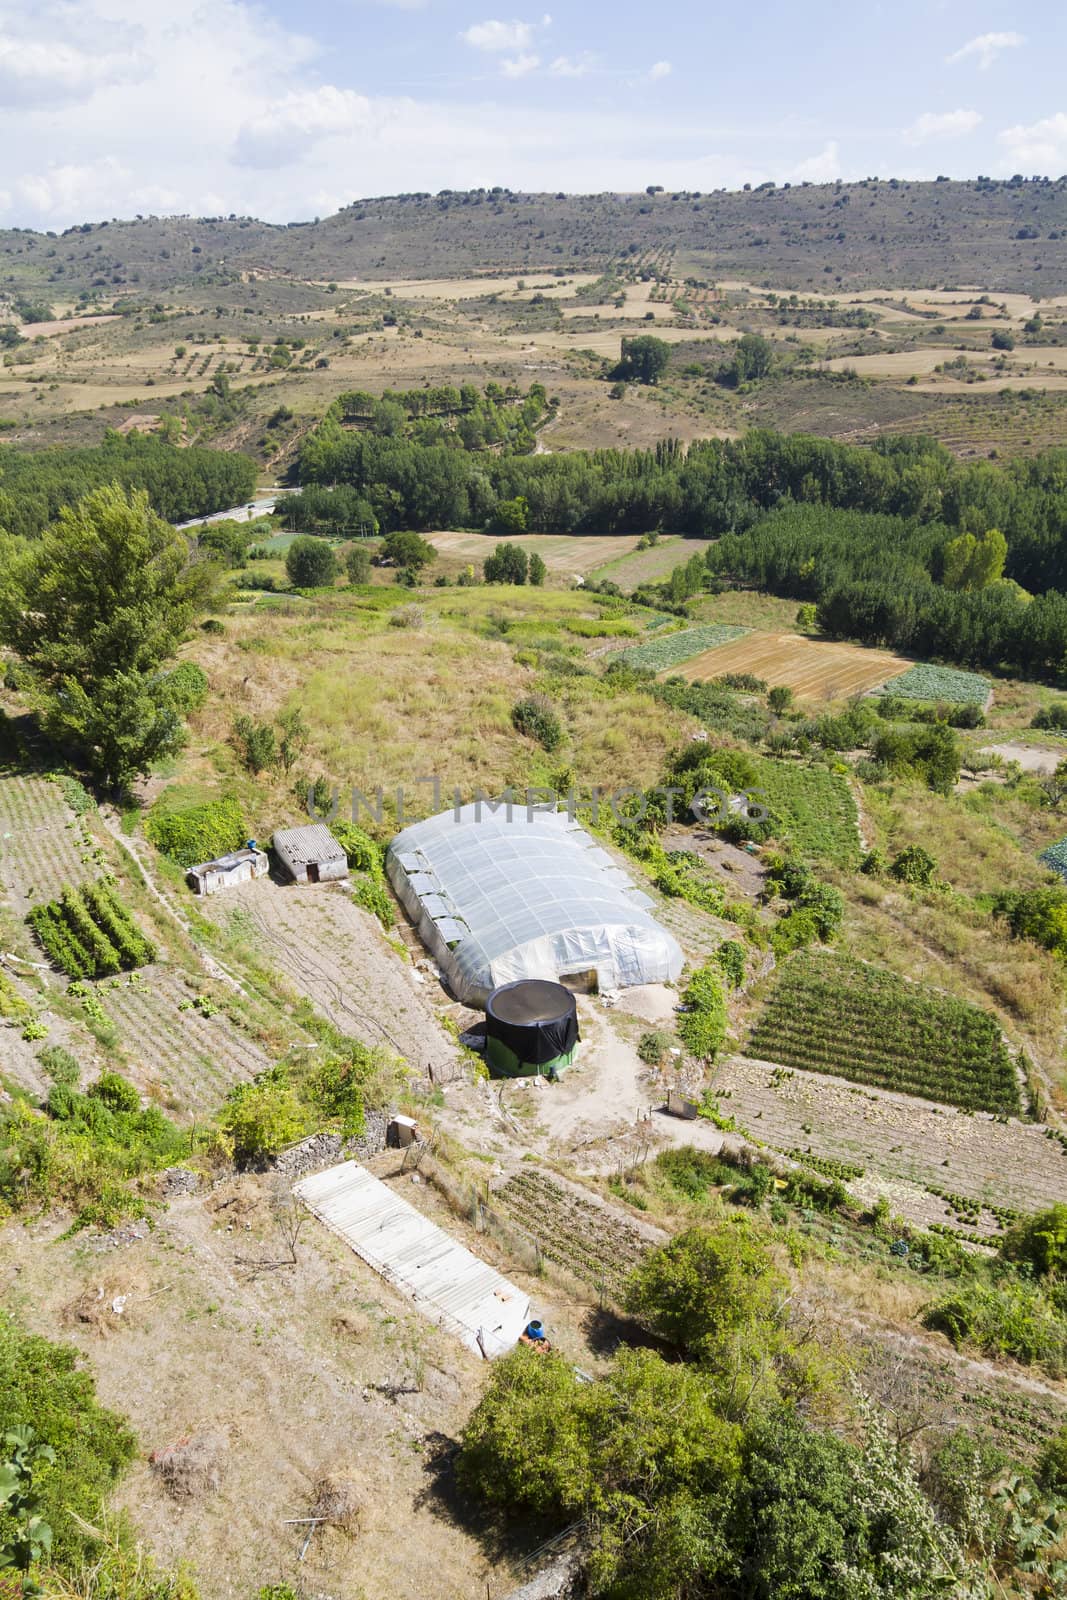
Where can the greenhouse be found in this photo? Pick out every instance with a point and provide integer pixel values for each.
(500, 894)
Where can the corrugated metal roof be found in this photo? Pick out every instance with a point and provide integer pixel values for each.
(448, 1284)
(298, 846)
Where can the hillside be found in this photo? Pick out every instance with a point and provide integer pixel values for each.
(1006, 236)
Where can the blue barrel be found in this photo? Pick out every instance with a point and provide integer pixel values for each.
(535, 1330)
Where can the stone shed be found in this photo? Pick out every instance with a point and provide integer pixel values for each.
(310, 854)
(225, 871)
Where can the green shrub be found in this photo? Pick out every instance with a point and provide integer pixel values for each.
(1052, 1463)
(186, 687)
(1040, 1241)
(654, 1047)
(45, 1387)
(730, 957)
(263, 1116)
(188, 835)
(59, 1065)
(1052, 717)
(703, 1024)
(536, 717)
(915, 866)
(116, 1092)
(1003, 1319)
(257, 744)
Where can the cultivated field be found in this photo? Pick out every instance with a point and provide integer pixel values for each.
(829, 1014)
(566, 555)
(43, 845)
(992, 1161)
(813, 668)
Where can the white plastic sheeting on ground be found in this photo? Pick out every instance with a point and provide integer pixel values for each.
(448, 1285)
(499, 895)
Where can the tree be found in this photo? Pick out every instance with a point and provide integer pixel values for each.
(94, 607)
(507, 564)
(406, 549)
(644, 359)
(975, 561)
(357, 564)
(310, 563)
(509, 516)
(538, 570)
(780, 698)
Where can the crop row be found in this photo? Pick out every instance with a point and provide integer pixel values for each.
(830, 1014)
(925, 682)
(816, 807)
(585, 1240)
(674, 648)
(88, 933)
(826, 1165)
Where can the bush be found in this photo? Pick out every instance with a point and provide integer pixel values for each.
(357, 564)
(189, 835)
(706, 1288)
(536, 717)
(654, 1047)
(915, 866)
(703, 1025)
(186, 687)
(1040, 1241)
(115, 1092)
(310, 563)
(730, 956)
(262, 1117)
(43, 1386)
(257, 744)
(1052, 1463)
(1052, 717)
(1005, 1319)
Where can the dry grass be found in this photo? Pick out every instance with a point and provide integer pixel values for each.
(191, 1468)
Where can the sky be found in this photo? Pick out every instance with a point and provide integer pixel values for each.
(288, 109)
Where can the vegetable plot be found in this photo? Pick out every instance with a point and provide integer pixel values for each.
(588, 1241)
(925, 682)
(88, 933)
(658, 654)
(830, 1014)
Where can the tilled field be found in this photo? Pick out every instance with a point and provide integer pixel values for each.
(186, 1059)
(1002, 1162)
(334, 952)
(43, 846)
(814, 669)
(593, 1243)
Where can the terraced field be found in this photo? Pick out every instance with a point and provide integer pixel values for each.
(815, 669)
(564, 554)
(669, 652)
(1001, 1162)
(817, 807)
(181, 1057)
(43, 845)
(593, 1243)
(861, 1022)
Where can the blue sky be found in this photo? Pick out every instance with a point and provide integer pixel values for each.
(287, 110)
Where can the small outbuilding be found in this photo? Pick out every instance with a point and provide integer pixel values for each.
(531, 1029)
(310, 854)
(240, 866)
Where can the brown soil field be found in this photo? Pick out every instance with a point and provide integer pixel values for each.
(812, 668)
(570, 555)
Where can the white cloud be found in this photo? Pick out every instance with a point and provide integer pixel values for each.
(942, 125)
(54, 192)
(820, 168)
(660, 69)
(36, 71)
(499, 36)
(519, 66)
(986, 47)
(572, 66)
(1039, 147)
(285, 129)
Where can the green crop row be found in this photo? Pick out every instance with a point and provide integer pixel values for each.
(827, 1165)
(815, 808)
(830, 1014)
(925, 682)
(88, 933)
(658, 654)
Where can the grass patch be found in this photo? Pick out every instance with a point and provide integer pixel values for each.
(830, 1014)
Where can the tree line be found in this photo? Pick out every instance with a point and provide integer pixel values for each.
(35, 485)
(715, 487)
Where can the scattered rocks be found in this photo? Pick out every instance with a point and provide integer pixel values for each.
(178, 1180)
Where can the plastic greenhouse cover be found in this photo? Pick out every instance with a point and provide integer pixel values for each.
(540, 899)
